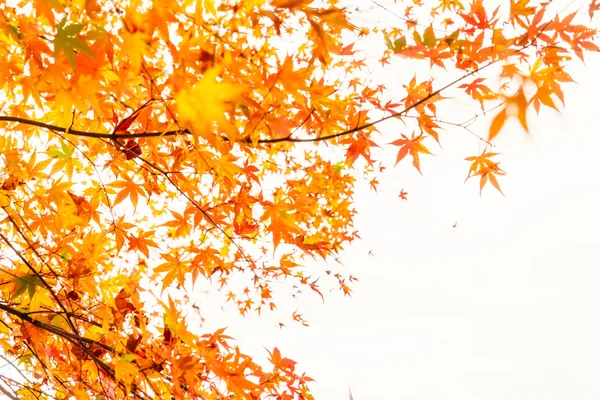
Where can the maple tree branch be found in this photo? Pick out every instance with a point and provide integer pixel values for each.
(186, 131)
(35, 392)
(36, 272)
(71, 314)
(24, 316)
(45, 368)
(464, 125)
(108, 202)
(196, 205)
(193, 202)
(7, 393)
(407, 109)
(288, 139)
(75, 339)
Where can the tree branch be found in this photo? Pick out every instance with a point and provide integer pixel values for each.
(115, 135)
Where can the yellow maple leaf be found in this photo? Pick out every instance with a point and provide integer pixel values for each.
(202, 6)
(207, 103)
(135, 45)
(80, 393)
(125, 369)
(4, 199)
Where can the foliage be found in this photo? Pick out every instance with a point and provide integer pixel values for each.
(150, 147)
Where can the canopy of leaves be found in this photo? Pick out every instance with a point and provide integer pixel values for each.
(150, 147)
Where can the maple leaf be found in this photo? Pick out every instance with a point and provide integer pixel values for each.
(122, 301)
(207, 102)
(142, 242)
(180, 223)
(497, 123)
(26, 283)
(128, 189)
(517, 102)
(207, 5)
(403, 194)
(410, 146)
(398, 45)
(45, 8)
(429, 38)
(93, 9)
(478, 91)
(175, 269)
(125, 124)
(359, 146)
(131, 149)
(373, 184)
(136, 45)
(594, 6)
(68, 42)
(282, 221)
(485, 168)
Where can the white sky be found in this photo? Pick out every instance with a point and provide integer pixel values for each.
(504, 306)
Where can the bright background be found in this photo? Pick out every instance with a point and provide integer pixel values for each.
(502, 306)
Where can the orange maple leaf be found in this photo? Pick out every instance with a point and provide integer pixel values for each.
(594, 6)
(514, 106)
(486, 168)
(359, 146)
(411, 146)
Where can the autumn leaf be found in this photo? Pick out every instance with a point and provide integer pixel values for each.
(175, 269)
(398, 45)
(487, 169)
(497, 123)
(26, 283)
(136, 45)
(207, 102)
(513, 106)
(132, 149)
(281, 220)
(93, 9)
(125, 124)
(142, 242)
(359, 146)
(129, 189)
(205, 5)
(410, 146)
(521, 104)
(429, 39)
(64, 153)
(122, 301)
(594, 6)
(44, 8)
(68, 42)
(4, 199)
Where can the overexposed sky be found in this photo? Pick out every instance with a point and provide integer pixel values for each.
(502, 306)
